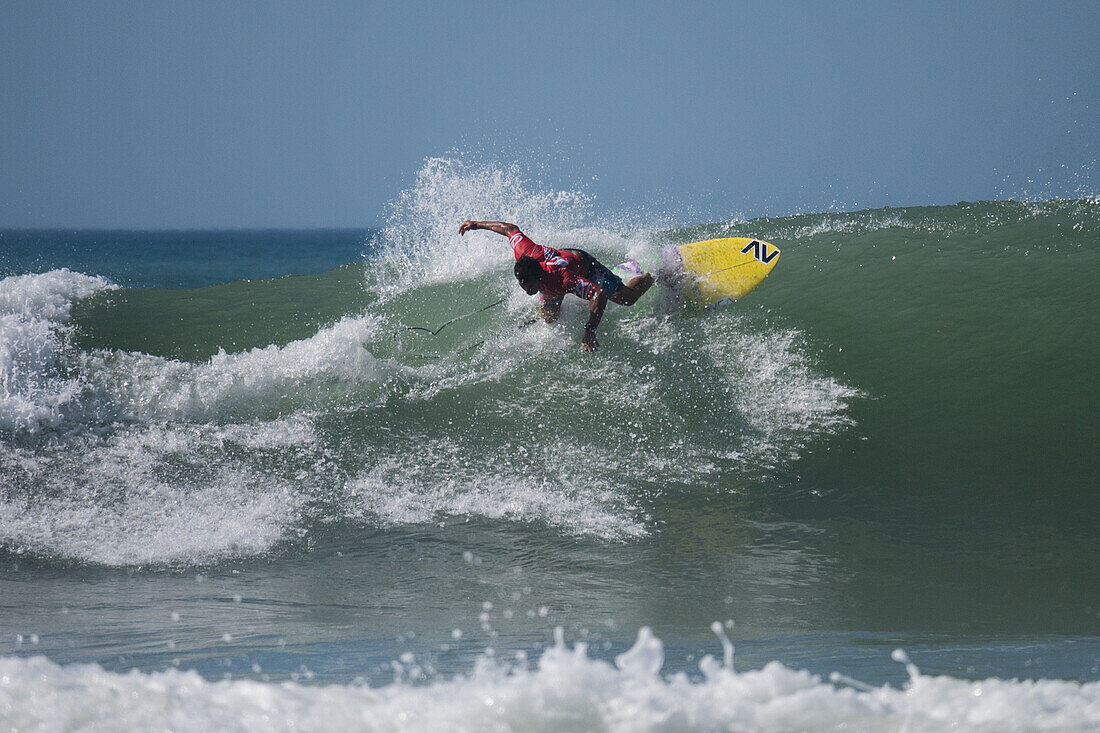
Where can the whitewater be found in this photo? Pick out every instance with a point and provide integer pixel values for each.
(237, 496)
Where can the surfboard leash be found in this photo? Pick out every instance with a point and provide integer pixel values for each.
(474, 345)
(453, 320)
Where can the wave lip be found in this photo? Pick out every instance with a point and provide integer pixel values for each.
(566, 690)
(34, 318)
(258, 383)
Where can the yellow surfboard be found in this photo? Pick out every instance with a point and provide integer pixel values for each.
(713, 271)
(719, 269)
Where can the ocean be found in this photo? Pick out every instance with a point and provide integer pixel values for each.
(244, 487)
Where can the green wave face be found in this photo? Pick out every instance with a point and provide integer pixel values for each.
(971, 328)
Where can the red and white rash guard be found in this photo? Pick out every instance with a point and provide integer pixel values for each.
(563, 272)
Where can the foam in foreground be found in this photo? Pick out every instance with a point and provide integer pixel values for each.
(566, 691)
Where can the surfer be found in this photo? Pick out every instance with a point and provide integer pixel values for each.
(552, 273)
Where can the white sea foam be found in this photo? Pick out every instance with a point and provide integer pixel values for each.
(757, 385)
(34, 313)
(48, 296)
(566, 691)
(786, 400)
(312, 373)
(171, 463)
(554, 485)
(151, 495)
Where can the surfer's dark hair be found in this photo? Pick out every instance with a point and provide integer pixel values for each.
(527, 269)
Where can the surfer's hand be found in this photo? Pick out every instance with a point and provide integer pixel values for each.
(589, 342)
(467, 226)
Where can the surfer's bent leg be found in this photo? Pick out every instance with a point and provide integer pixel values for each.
(629, 293)
(617, 291)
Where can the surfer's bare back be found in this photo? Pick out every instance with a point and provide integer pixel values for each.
(552, 273)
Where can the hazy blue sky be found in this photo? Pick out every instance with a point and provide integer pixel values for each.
(230, 114)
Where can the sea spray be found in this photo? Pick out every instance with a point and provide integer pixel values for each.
(420, 242)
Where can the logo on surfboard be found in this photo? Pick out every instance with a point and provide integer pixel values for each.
(760, 251)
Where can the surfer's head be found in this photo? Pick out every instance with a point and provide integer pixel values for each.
(529, 274)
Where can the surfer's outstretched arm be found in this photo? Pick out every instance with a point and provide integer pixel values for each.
(500, 227)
